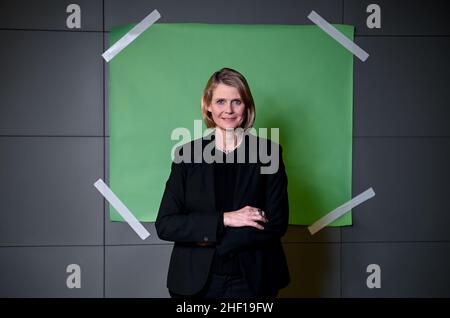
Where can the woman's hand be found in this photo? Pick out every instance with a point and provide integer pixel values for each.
(247, 216)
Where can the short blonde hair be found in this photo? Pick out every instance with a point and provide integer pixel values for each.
(235, 79)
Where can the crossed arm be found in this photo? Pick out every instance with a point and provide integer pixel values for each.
(229, 231)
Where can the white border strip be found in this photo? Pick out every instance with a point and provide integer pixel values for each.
(109, 54)
(122, 209)
(338, 36)
(338, 212)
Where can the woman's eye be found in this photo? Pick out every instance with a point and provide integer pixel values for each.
(237, 102)
(220, 101)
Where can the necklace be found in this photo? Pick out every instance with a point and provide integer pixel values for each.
(227, 151)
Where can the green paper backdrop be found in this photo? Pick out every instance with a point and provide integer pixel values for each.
(301, 80)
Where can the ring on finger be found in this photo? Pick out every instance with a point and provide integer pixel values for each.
(261, 212)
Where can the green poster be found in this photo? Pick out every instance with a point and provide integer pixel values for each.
(301, 80)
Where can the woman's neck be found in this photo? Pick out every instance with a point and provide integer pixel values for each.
(227, 139)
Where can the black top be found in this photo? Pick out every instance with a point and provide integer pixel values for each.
(225, 185)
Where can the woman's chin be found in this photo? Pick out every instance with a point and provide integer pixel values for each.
(231, 125)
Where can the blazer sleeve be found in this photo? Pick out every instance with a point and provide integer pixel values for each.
(174, 223)
(277, 212)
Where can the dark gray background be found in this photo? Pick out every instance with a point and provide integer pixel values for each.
(54, 145)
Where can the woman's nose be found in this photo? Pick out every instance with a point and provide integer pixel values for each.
(228, 108)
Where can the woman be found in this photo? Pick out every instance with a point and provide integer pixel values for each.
(226, 219)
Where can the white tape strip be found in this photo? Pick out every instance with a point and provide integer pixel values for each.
(122, 209)
(338, 212)
(109, 54)
(338, 36)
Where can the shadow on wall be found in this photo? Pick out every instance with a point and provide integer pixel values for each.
(314, 269)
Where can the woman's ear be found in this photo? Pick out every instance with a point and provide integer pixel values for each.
(203, 105)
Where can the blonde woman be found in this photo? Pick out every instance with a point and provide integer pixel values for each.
(226, 218)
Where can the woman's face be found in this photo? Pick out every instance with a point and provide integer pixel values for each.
(227, 107)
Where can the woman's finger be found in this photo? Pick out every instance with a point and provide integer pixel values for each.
(258, 217)
(257, 225)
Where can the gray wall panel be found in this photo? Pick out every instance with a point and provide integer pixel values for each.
(400, 17)
(49, 14)
(42, 271)
(407, 269)
(120, 233)
(137, 271)
(106, 87)
(402, 88)
(46, 186)
(314, 270)
(300, 234)
(410, 179)
(51, 83)
(119, 12)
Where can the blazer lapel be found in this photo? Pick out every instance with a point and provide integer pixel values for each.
(237, 189)
(244, 174)
(208, 172)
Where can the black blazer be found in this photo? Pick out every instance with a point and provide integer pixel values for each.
(187, 215)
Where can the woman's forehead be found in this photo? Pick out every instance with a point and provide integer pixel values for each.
(225, 91)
